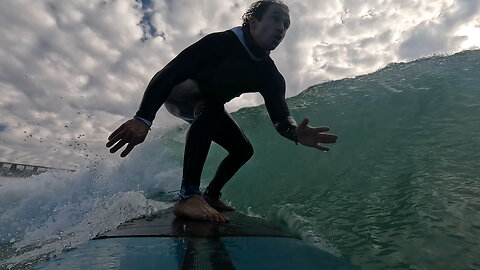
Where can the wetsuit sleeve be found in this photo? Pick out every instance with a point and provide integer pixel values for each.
(274, 95)
(175, 72)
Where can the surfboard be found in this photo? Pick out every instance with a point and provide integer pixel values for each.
(163, 241)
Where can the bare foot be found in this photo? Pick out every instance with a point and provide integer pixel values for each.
(196, 207)
(221, 206)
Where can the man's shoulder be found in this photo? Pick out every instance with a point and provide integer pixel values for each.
(215, 42)
(221, 36)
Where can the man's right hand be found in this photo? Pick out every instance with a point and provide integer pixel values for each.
(132, 132)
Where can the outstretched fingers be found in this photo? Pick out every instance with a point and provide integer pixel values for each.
(321, 129)
(117, 131)
(129, 148)
(127, 138)
(116, 136)
(326, 138)
(319, 147)
(119, 145)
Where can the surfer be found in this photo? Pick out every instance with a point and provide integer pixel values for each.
(196, 84)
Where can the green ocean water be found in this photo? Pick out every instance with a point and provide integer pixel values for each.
(401, 187)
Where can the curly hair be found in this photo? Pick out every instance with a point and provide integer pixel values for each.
(258, 9)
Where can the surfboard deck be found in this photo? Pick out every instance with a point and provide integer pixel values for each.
(165, 224)
(162, 241)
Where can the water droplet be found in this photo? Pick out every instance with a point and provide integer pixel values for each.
(12, 240)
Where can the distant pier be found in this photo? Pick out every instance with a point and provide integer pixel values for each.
(9, 169)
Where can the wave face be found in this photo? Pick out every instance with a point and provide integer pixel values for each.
(399, 190)
(401, 187)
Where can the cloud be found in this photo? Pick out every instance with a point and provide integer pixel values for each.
(437, 35)
(72, 71)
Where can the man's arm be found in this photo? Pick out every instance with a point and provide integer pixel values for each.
(274, 96)
(175, 72)
(285, 124)
(135, 130)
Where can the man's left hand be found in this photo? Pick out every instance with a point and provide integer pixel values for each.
(312, 136)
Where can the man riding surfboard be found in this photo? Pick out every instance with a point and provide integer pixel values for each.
(196, 84)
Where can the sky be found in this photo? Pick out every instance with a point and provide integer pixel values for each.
(72, 71)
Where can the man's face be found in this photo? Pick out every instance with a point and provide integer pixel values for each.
(269, 32)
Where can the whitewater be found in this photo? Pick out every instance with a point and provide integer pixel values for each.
(399, 190)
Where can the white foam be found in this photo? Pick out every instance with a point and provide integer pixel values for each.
(48, 213)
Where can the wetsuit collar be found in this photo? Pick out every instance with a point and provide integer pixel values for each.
(252, 48)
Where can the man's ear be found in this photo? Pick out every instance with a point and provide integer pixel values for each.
(253, 23)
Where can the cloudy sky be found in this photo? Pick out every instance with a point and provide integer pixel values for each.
(72, 71)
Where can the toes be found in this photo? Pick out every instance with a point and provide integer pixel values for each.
(225, 219)
(211, 218)
(222, 218)
(205, 217)
(207, 214)
(216, 215)
(217, 218)
(212, 215)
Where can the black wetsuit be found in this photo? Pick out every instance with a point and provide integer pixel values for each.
(224, 65)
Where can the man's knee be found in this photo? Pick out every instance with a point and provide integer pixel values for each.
(245, 152)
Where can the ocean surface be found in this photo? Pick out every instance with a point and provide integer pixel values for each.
(399, 190)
